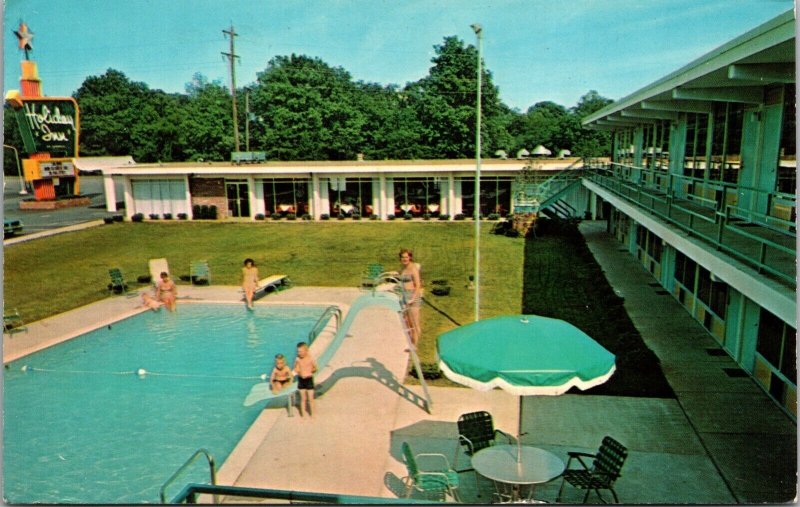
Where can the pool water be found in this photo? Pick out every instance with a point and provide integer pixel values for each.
(81, 426)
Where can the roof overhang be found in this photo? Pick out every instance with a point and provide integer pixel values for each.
(734, 72)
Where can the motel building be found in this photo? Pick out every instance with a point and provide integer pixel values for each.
(700, 188)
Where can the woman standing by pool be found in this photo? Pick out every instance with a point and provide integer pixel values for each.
(249, 280)
(412, 293)
(167, 291)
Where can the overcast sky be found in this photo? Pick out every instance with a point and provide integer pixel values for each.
(536, 49)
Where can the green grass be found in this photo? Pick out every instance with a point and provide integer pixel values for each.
(563, 281)
(49, 276)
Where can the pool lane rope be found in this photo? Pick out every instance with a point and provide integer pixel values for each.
(141, 372)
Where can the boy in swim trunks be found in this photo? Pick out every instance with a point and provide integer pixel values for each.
(304, 368)
(281, 374)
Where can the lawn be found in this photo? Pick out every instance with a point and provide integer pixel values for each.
(48, 276)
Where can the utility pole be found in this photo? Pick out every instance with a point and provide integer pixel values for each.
(232, 56)
(247, 121)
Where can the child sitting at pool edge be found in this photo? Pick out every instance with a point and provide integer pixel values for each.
(281, 374)
(304, 368)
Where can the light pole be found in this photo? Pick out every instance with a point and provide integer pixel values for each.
(22, 189)
(479, 33)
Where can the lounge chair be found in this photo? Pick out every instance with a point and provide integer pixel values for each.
(158, 266)
(438, 478)
(603, 472)
(372, 276)
(275, 282)
(199, 273)
(476, 431)
(117, 284)
(12, 322)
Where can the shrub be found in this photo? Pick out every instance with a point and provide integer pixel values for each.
(444, 217)
(108, 220)
(276, 216)
(356, 216)
(426, 216)
(306, 216)
(407, 216)
(493, 216)
(340, 217)
(374, 217)
(117, 218)
(203, 211)
(430, 371)
(182, 216)
(260, 216)
(459, 216)
(390, 217)
(137, 217)
(512, 233)
(324, 216)
(212, 212)
(291, 216)
(167, 216)
(153, 216)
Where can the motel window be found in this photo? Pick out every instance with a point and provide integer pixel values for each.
(787, 164)
(495, 195)
(696, 143)
(286, 195)
(656, 141)
(685, 269)
(726, 142)
(711, 292)
(776, 344)
(351, 195)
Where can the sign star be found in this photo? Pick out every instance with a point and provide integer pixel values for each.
(25, 37)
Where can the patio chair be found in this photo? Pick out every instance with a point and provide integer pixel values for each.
(371, 277)
(199, 273)
(440, 478)
(117, 284)
(476, 431)
(603, 472)
(158, 266)
(12, 322)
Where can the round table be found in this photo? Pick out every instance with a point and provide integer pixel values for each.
(499, 463)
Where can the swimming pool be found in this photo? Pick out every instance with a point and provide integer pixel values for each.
(81, 426)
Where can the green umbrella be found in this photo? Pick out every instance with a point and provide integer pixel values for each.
(525, 355)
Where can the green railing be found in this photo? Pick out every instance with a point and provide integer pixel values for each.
(718, 212)
(190, 493)
(329, 312)
(162, 493)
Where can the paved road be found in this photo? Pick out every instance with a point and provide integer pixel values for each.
(40, 220)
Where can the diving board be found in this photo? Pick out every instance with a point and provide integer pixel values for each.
(273, 281)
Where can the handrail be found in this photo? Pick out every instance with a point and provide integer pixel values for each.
(329, 312)
(197, 453)
(191, 490)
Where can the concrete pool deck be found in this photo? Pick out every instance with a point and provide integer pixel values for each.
(721, 441)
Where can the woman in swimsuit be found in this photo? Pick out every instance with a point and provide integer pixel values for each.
(411, 293)
(166, 291)
(249, 281)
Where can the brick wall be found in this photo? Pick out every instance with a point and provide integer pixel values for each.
(209, 192)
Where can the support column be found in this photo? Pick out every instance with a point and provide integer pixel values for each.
(130, 207)
(382, 208)
(315, 197)
(451, 195)
(388, 189)
(251, 195)
(187, 196)
(111, 193)
(258, 191)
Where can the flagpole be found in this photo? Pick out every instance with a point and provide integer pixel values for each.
(479, 33)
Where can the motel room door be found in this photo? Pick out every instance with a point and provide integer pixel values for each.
(238, 198)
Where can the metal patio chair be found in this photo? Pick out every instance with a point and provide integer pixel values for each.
(438, 478)
(603, 472)
(476, 431)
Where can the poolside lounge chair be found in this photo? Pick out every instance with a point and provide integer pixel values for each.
(603, 472)
(12, 322)
(372, 276)
(438, 478)
(275, 282)
(158, 266)
(476, 431)
(117, 284)
(199, 273)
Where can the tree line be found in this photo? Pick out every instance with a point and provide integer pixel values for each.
(300, 108)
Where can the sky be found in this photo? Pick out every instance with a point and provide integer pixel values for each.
(536, 50)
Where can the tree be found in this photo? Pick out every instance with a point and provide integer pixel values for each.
(445, 104)
(309, 109)
(590, 142)
(541, 124)
(207, 126)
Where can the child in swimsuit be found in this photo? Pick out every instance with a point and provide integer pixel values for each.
(304, 368)
(281, 374)
(167, 292)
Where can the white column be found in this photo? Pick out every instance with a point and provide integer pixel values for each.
(388, 190)
(251, 195)
(187, 196)
(324, 202)
(111, 192)
(382, 196)
(258, 190)
(457, 204)
(315, 196)
(130, 207)
(451, 195)
(376, 196)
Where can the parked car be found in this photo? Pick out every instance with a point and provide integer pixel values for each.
(11, 227)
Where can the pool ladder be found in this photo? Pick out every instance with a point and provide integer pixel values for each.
(212, 472)
(331, 311)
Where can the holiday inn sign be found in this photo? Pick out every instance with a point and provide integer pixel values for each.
(49, 124)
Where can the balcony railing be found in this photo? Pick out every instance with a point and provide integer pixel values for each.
(752, 225)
